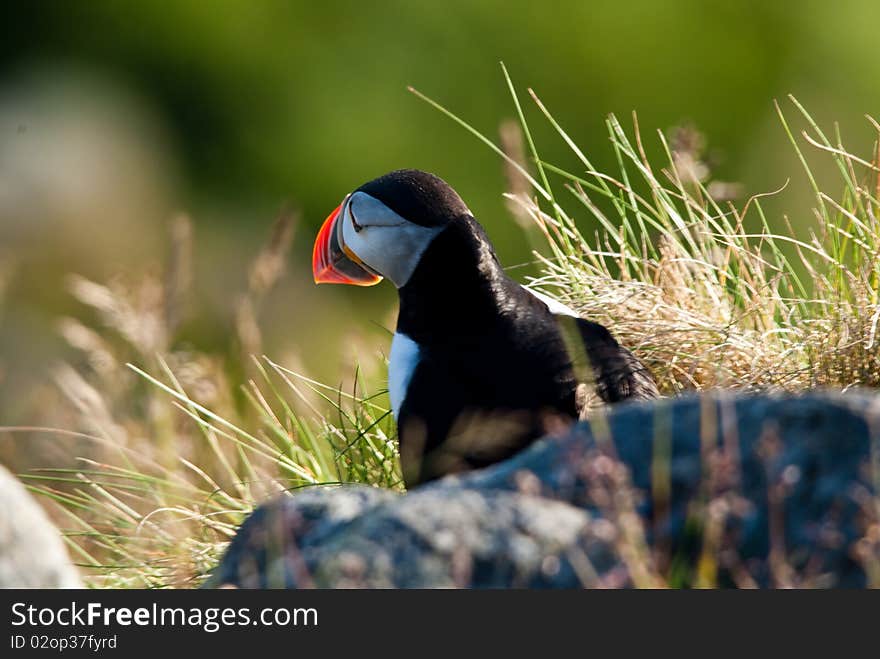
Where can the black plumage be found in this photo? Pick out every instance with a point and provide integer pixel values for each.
(495, 371)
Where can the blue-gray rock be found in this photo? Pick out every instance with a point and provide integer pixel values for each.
(718, 489)
(785, 483)
(442, 538)
(32, 553)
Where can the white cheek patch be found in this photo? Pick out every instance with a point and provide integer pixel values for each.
(401, 366)
(555, 306)
(388, 243)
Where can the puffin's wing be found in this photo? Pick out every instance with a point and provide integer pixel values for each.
(616, 373)
(598, 358)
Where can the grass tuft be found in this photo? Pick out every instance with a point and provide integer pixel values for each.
(699, 287)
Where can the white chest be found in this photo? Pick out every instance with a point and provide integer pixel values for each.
(401, 366)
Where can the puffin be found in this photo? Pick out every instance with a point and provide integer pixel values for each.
(480, 366)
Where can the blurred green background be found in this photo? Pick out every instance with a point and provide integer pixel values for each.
(114, 116)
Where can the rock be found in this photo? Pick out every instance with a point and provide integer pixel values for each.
(719, 489)
(444, 538)
(32, 553)
(791, 474)
(265, 551)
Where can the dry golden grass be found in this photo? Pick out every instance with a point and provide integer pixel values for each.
(710, 301)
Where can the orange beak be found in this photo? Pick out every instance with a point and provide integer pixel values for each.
(332, 263)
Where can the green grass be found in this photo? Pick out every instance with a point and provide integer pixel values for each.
(138, 518)
(699, 288)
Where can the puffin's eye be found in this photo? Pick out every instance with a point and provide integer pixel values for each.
(354, 223)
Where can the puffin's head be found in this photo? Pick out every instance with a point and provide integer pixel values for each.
(383, 228)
